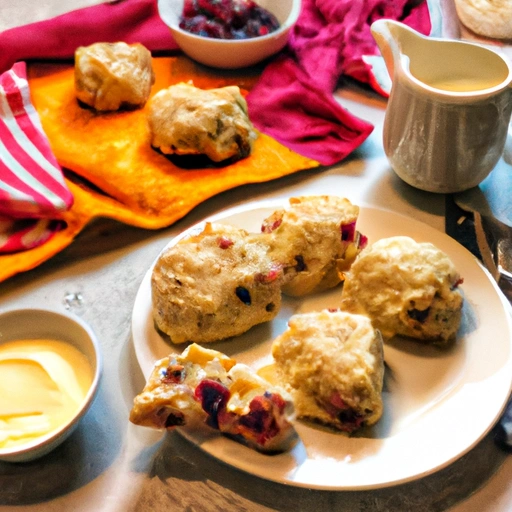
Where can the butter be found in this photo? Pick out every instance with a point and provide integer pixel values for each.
(200, 355)
(269, 373)
(42, 385)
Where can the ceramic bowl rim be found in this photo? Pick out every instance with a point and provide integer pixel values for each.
(44, 444)
(284, 27)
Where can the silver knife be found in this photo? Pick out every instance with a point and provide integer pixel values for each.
(494, 239)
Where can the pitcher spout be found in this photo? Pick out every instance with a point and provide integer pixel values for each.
(392, 38)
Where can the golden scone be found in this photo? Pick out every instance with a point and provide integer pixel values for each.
(488, 18)
(406, 288)
(109, 76)
(315, 239)
(333, 365)
(215, 285)
(186, 120)
(208, 386)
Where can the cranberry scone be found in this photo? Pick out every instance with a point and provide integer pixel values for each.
(203, 385)
(110, 76)
(315, 239)
(215, 285)
(406, 288)
(333, 366)
(186, 120)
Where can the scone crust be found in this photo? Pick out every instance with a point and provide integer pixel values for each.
(307, 237)
(207, 386)
(488, 18)
(215, 285)
(161, 405)
(186, 120)
(333, 365)
(109, 76)
(406, 288)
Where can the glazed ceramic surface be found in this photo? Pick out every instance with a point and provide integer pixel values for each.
(46, 324)
(449, 108)
(233, 53)
(429, 396)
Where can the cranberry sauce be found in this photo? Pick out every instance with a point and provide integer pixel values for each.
(227, 19)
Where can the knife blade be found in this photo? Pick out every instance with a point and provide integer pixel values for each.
(493, 237)
(494, 240)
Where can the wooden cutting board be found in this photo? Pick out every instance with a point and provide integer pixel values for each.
(113, 171)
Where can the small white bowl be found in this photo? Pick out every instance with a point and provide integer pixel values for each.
(22, 324)
(232, 53)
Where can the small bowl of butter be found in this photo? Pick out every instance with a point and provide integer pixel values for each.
(50, 368)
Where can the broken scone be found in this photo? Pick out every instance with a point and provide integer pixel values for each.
(208, 386)
(110, 76)
(315, 240)
(332, 364)
(215, 285)
(406, 288)
(186, 120)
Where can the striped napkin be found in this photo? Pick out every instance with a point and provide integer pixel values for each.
(32, 188)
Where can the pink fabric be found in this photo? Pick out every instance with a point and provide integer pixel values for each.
(293, 100)
(32, 185)
(288, 105)
(19, 235)
(131, 21)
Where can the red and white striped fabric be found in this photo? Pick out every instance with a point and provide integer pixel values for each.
(32, 186)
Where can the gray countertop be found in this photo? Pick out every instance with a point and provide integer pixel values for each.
(110, 465)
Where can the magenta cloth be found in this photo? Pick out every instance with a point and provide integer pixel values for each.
(132, 21)
(289, 106)
(293, 100)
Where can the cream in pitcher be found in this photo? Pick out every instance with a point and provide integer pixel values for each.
(448, 112)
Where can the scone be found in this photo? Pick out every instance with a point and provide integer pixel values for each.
(110, 76)
(168, 399)
(186, 120)
(488, 18)
(215, 285)
(332, 363)
(315, 239)
(406, 288)
(204, 385)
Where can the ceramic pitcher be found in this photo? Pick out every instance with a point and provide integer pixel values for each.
(449, 108)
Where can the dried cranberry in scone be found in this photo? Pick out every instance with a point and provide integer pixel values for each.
(208, 386)
(243, 408)
(333, 365)
(315, 239)
(407, 288)
(258, 413)
(168, 399)
(215, 285)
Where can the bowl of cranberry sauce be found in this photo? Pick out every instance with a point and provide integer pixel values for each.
(230, 34)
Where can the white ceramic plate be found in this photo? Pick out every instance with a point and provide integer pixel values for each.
(438, 403)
